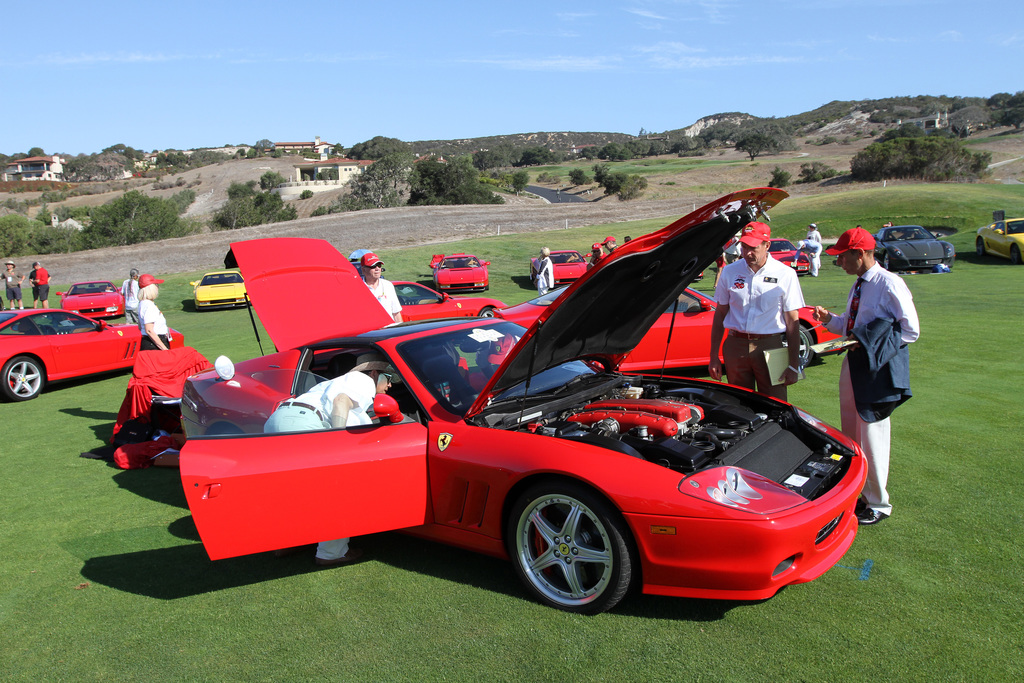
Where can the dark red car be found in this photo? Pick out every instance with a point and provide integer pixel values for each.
(423, 303)
(524, 443)
(46, 345)
(93, 300)
(690, 320)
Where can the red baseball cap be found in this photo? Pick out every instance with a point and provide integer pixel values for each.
(147, 280)
(370, 260)
(608, 239)
(854, 238)
(596, 245)
(754, 233)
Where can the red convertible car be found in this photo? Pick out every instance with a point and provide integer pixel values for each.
(45, 345)
(786, 252)
(689, 345)
(93, 300)
(423, 303)
(567, 264)
(591, 482)
(460, 271)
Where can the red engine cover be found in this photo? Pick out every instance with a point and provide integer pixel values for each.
(680, 412)
(656, 424)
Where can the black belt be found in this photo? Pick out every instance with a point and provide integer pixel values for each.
(315, 411)
(746, 335)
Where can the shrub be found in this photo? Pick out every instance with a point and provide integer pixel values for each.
(780, 178)
(319, 211)
(632, 188)
(815, 171)
(578, 176)
(926, 158)
(306, 194)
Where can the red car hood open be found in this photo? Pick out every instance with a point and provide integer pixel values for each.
(304, 290)
(606, 312)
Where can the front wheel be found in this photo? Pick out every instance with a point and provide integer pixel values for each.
(1015, 255)
(806, 352)
(487, 312)
(570, 548)
(979, 247)
(23, 378)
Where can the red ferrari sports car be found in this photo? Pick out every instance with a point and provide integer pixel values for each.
(689, 345)
(525, 443)
(460, 271)
(784, 251)
(568, 265)
(423, 303)
(45, 345)
(93, 300)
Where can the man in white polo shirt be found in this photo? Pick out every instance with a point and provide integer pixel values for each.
(758, 301)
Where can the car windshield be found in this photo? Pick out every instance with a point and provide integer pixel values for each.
(460, 262)
(221, 279)
(546, 299)
(781, 245)
(567, 257)
(91, 288)
(456, 366)
(908, 232)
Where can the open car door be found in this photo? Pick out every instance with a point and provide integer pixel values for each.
(259, 492)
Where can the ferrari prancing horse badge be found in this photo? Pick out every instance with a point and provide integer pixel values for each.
(443, 441)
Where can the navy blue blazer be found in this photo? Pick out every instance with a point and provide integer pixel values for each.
(879, 369)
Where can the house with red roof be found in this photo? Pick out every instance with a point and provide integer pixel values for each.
(35, 168)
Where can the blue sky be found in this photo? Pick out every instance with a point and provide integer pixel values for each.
(77, 77)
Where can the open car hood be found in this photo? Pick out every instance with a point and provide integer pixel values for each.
(604, 314)
(304, 290)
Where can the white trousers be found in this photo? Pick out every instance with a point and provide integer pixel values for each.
(332, 550)
(873, 438)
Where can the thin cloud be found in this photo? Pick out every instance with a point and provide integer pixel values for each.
(646, 14)
(951, 36)
(88, 59)
(684, 63)
(558, 63)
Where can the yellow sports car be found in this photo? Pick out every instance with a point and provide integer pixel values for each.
(1002, 238)
(219, 289)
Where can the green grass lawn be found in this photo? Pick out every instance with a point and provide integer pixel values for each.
(102, 575)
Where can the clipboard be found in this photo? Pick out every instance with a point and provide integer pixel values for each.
(778, 363)
(834, 345)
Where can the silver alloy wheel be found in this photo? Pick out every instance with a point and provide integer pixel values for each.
(806, 352)
(22, 378)
(564, 549)
(487, 312)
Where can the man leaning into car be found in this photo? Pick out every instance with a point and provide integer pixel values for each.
(759, 301)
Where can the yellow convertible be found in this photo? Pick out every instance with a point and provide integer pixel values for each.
(1002, 238)
(219, 289)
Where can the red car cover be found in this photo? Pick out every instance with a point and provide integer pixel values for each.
(160, 372)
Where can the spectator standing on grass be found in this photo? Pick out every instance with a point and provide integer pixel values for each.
(372, 267)
(545, 272)
(13, 280)
(40, 279)
(595, 255)
(812, 245)
(130, 292)
(759, 302)
(875, 377)
(609, 243)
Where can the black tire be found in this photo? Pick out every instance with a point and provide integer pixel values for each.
(979, 247)
(23, 378)
(1015, 255)
(570, 548)
(487, 312)
(806, 352)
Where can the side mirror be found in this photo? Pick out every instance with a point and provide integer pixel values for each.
(486, 263)
(445, 297)
(193, 284)
(60, 293)
(706, 306)
(999, 231)
(386, 407)
(101, 325)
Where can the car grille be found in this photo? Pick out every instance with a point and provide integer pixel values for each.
(826, 531)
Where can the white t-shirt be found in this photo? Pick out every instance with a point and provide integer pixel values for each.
(757, 301)
(386, 295)
(149, 313)
(356, 385)
(130, 292)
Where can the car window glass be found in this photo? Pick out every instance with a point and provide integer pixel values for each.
(21, 327)
(65, 323)
(1015, 227)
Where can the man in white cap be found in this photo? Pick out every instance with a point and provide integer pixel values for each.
(759, 301)
(371, 268)
(812, 245)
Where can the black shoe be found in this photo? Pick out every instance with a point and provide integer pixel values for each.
(870, 516)
(860, 507)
